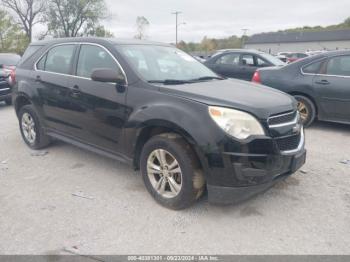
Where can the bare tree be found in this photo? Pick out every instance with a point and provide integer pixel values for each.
(29, 13)
(142, 25)
(71, 18)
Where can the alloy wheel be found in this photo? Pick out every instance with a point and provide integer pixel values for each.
(303, 110)
(28, 128)
(164, 173)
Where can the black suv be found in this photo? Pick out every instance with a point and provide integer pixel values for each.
(162, 111)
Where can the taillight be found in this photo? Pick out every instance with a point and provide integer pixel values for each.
(256, 77)
(12, 78)
(11, 73)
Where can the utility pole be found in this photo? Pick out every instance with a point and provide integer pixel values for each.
(244, 30)
(176, 13)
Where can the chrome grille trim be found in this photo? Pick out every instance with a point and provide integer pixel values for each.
(289, 123)
(300, 146)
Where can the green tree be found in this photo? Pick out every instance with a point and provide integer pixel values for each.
(98, 31)
(71, 18)
(28, 12)
(208, 44)
(12, 37)
(347, 22)
(142, 25)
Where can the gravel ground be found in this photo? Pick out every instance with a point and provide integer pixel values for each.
(66, 199)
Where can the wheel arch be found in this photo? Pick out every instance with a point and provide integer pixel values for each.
(20, 101)
(307, 96)
(158, 127)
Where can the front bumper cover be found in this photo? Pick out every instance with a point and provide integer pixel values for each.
(224, 195)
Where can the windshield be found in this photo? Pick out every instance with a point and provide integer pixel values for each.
(162, 63)
(274, 60)
(9, 59)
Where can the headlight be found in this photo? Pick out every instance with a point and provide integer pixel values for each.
(236, 123)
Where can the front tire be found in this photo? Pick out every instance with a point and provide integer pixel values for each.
(306, 109)
(171, 172)
(31, 129)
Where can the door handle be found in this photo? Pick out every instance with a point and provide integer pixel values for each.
(75, 92)
(323, 82)
(38, 78)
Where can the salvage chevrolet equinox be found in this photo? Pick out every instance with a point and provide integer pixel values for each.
(159, 109)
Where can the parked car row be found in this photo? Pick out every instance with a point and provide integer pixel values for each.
(149, 104)
(320, 84)
(319, 81)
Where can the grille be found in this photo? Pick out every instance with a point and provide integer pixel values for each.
(288, 143)
(281, 119)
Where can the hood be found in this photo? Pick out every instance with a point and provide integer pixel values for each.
(258, 100)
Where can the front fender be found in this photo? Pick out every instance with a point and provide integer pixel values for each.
(188, 118)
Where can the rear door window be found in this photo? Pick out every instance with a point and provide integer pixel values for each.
(57, 60)
(248, 60)
(228, 59)
(41, 64)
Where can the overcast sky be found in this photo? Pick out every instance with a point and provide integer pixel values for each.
(220, 18)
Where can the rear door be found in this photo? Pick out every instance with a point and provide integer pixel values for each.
(228, 65)
(333, 86)
(103, 105)
(52, 75)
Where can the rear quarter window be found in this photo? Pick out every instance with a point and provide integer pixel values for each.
(31, 50)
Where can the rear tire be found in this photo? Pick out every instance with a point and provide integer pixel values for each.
(307, 109)
(175, 186)
(31, 129)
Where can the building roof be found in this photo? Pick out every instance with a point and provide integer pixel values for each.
(294, 37)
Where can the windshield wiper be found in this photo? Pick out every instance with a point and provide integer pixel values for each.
(205, 78)
(169, 82)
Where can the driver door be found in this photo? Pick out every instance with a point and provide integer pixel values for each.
(103, 104)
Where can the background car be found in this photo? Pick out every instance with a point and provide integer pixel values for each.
(293, 57)
(240, 63)
(321, 85)
(312, 53)
(8, 64)
(283, 58)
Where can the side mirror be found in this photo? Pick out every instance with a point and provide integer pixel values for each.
(108, 76)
